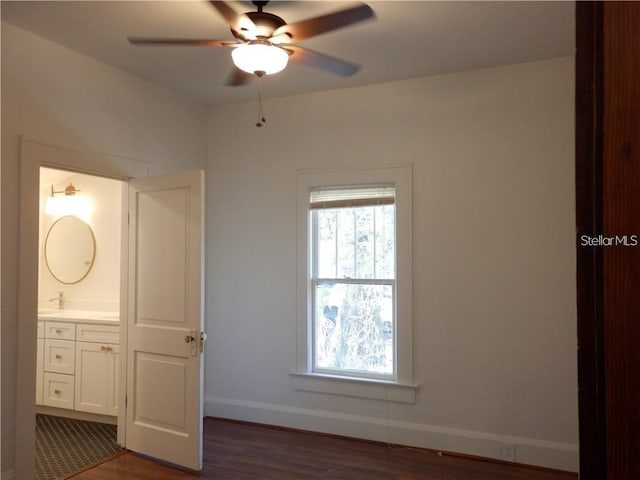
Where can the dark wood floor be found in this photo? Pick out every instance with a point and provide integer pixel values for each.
(237, 451)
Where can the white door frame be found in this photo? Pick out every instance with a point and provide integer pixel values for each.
(33, 155)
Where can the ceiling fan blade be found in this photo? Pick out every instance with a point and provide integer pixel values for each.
(280, 39)
(239, 22)
(206, 42)
(237, 78)
(324, 62)
(315, 26)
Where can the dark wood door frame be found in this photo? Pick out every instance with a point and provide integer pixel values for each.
(608, 205)
(590, 296)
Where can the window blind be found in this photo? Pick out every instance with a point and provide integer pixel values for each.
(352, 197)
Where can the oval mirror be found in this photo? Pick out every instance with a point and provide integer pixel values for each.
(70, 249)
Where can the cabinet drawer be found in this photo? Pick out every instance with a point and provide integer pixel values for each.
(61, 330)
(86, 332)
(59, 390)
(59, 356)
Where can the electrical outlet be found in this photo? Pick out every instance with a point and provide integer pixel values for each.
(509, 452)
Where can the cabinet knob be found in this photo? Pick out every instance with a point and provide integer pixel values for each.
(57, 392)
(59, 331)
(106, 348)
(58, 356)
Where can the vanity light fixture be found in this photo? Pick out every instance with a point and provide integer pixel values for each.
(67, 202)
(68, 190)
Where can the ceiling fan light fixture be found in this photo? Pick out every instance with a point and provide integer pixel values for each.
(260, 56)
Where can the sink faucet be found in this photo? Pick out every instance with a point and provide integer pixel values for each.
(60, 299)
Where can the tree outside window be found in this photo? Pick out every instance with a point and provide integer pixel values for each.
(353, 281)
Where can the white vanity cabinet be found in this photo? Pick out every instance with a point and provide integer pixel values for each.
(59, 364)
(77, 365)
(97, 362)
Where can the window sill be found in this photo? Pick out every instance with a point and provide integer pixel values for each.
(354, 387)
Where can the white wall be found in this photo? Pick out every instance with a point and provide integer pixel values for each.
(100, 289)
(56, 95)
(494, 257)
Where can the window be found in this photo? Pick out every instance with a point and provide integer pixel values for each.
(354, 282)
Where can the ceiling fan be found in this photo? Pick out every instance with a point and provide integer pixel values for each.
(264, 42)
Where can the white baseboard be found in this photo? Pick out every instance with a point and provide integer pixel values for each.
(557, 455)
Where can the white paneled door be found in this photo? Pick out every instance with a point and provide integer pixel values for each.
(165, 318)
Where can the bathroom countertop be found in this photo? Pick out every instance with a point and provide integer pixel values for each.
(80, 316)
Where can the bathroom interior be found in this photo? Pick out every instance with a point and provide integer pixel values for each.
(78, 356)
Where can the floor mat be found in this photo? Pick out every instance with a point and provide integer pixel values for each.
(64, 446)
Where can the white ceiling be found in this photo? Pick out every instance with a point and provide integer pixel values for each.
(407, 39)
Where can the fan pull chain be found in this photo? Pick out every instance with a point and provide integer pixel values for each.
(261, 120)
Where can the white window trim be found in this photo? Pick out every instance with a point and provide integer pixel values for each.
(403, 387)
(354, 387)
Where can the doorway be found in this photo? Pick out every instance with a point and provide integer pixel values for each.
(155, 232)
(34, 155)
(78, 354)
(151, 217)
